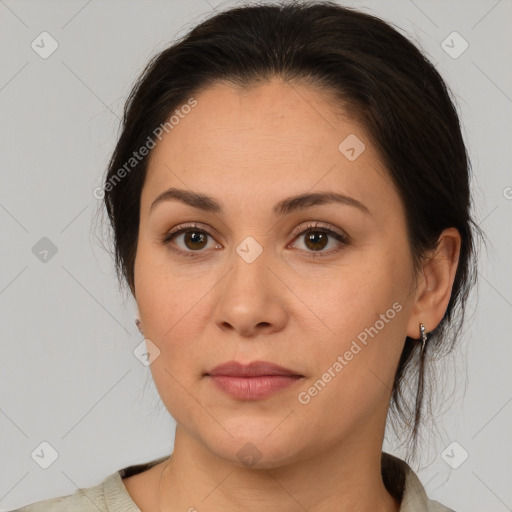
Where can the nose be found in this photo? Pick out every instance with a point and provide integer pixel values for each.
(251, 300)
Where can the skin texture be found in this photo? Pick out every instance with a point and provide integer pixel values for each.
(249, 149)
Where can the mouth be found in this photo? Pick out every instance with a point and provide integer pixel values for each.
(254, 381)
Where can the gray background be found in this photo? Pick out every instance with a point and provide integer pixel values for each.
(69, 376)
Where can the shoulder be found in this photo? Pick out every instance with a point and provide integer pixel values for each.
(404, 483)
(82, 499)
(108, 496)
(415, 498)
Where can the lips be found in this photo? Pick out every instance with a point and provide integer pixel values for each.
(253, 369)
(254, 381)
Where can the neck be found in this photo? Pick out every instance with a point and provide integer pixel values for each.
(347, 477)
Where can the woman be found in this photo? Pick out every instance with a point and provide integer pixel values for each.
(290, 205)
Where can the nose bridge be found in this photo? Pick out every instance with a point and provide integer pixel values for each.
(249, 296)
(250, 265)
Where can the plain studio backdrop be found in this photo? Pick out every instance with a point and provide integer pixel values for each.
(72, 387)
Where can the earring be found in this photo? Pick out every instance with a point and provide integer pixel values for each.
(138, 324)
(423, 337)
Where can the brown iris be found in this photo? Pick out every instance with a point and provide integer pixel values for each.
(316, 240)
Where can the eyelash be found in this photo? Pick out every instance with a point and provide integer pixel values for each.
(310, 227)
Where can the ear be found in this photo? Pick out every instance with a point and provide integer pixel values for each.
(435, 284)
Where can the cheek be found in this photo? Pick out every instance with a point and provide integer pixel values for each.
(365, 312)
(353, 296)
(171, 302)
(168, 306)
(354, 368)
(160, 295)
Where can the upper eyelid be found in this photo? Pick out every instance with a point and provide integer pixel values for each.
(185, 226)
(311, 225)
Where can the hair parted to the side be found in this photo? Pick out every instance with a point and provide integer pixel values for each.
(380, 78)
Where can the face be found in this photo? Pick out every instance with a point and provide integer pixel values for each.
(320, 288)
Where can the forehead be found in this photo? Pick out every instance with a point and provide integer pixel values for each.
(267, 141)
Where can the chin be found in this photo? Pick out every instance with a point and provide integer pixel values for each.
(257, 446)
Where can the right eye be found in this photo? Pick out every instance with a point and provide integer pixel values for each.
(194, 239)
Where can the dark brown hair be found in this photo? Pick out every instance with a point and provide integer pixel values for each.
(379, 76)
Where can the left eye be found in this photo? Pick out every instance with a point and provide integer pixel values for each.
(316, 238)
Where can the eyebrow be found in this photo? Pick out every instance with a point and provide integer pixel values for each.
(284, 207)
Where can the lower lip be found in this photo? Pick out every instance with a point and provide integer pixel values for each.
(253, 388)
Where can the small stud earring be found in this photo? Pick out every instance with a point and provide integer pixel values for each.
(138, 324)
(423, 336)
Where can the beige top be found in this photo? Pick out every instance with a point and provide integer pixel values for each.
(111, 494)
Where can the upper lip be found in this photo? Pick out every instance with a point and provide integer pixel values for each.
(253, 369)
